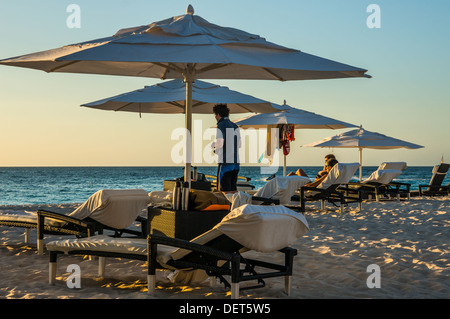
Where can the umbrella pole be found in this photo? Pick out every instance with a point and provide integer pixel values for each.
(284, 166)
(189, 79)
(360, 164)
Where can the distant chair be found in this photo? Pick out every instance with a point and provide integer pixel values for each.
(435, 187)
(282, 188)
(330, 190)
(379, 184)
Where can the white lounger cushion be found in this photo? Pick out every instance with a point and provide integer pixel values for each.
(117, 208)
(400, 166)
(264, 228)
(282, 188)
(340, 174)
(383, 176)
(101, 243)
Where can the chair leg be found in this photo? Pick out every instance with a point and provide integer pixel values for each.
(52, 268)
(152, 251)
(151, 284)
(40, 246)
(101, 266)
(27, 235)
(287, 285)
(212, 281)
(322, 204)
(234, 290)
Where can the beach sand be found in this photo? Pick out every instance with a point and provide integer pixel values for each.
(408, 240)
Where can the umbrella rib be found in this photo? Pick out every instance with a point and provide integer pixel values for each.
(274, 74)
(62, 66)
(123, 106)
(168, 67)
(176, 104)
(212, 67)
(250, 111)
(198, 103)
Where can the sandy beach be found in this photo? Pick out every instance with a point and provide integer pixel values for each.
(408, 240)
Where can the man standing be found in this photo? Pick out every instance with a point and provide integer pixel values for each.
(228, 142)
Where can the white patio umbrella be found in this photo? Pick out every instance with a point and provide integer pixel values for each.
(300, 119)
(186, 47)
(170, 97)
(361, 138)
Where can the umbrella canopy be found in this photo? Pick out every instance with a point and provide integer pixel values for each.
(300, 119)
(170, 97)
(361, 138)
(186, 47)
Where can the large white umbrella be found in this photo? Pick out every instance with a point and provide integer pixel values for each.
(186, 47)
(300, 119)
(361, 138)
(170, 98)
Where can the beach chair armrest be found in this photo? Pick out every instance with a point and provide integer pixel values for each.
(184, 244)
(42, 214)
(398, 184)
(310, 188)
(266, 200)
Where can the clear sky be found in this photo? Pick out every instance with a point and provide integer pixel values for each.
(42, 123)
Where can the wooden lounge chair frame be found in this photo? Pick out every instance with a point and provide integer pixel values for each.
(336, 193)
(376, 190)
(219, 257)
(79, 227)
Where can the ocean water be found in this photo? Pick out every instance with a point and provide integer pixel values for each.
(54, 185)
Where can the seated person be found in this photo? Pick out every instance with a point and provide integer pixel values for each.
(301, 172)
(328, 166)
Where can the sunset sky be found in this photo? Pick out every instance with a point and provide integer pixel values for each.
(42, 123)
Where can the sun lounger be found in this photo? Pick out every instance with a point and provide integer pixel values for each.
(403, 188)
(379, 184)
(216, 252)
(435, 187)
(332, 188)
(106, 209)
(282, 188)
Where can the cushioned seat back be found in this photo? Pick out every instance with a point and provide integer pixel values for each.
(382, 176)
(341, 173)
(400, 166)
(114, 208)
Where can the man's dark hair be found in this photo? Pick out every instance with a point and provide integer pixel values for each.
(331, 162)
(328, 156)
(221, 109)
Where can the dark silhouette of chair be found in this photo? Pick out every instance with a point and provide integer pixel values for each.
(435, 187)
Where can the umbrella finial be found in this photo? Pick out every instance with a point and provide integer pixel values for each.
(190, 10)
